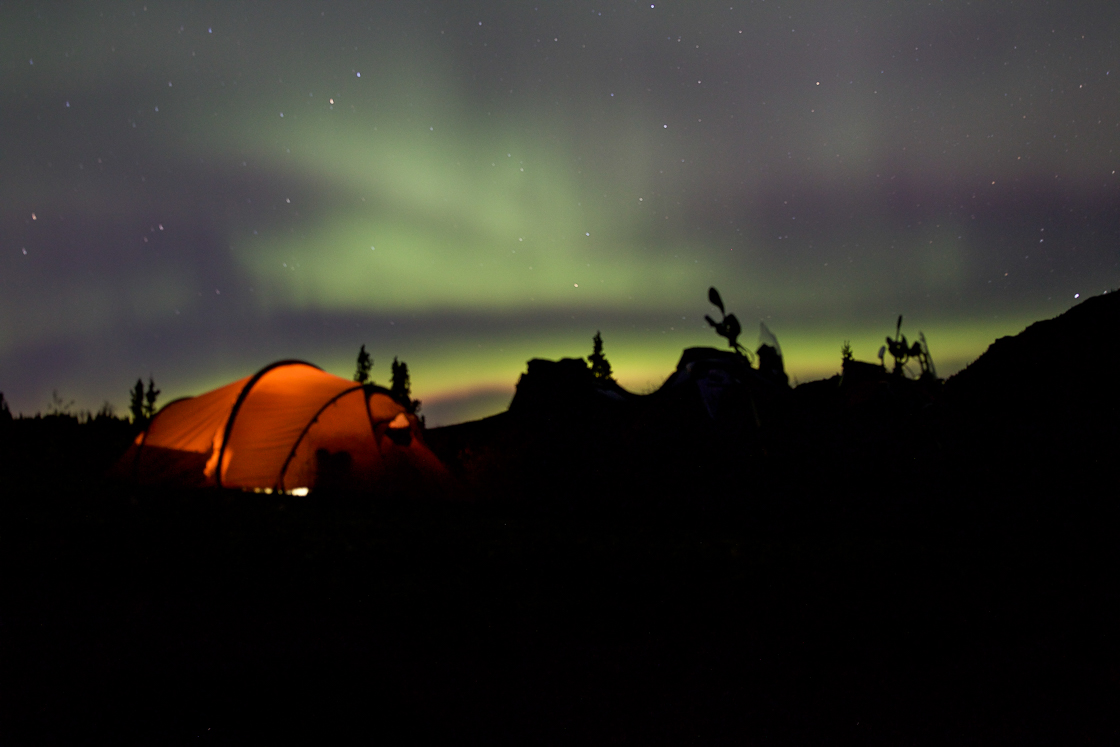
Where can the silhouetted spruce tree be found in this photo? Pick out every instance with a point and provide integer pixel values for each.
(150, 399)
(365, 363)
(600, 366)
(401, 388)
(136, 402)
(5, 413)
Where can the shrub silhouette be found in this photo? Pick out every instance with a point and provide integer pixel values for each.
(902, 352)
(727, 327)
(770, 362)
(600, 366)
(59, 406)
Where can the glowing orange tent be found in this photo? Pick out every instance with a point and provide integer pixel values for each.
(291, 427)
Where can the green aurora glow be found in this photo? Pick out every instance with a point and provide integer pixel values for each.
(218, 186)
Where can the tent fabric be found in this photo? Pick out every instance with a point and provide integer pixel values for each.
(290, 427)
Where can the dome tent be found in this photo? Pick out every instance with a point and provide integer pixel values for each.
(291, 427)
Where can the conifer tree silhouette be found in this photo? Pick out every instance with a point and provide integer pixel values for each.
(600, 367)
(136, 402)
(365, 363)
(150, 397)
(401, 387)
(5, 413)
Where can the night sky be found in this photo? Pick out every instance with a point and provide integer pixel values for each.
(193, 190)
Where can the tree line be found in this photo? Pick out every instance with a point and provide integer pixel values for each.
(400, 386)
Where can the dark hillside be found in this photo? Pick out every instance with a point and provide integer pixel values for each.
(1073, 353)
(1048, 398)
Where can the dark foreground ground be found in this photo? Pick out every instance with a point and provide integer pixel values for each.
(828, 613)
(957, 586)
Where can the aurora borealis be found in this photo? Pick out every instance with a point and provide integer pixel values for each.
(193, 190)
